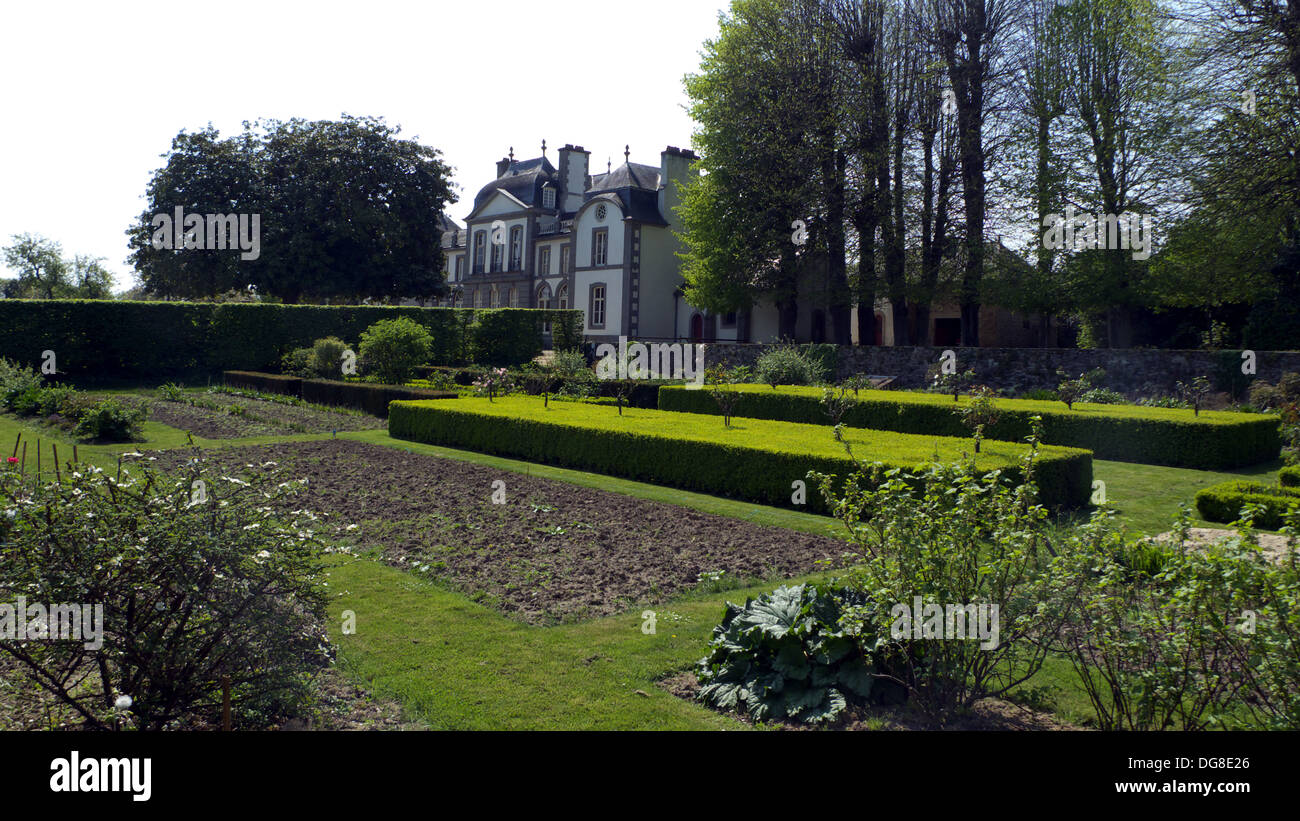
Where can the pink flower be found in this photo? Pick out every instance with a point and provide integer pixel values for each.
(13, 460)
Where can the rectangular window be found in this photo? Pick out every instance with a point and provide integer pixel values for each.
(599, 246)
(544, 262)
(460, 267)
(548, 197)
(480, 241)
(496, 257)
(564, 260)
(598, 306)
(516, 248)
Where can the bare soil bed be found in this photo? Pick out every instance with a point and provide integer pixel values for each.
(251, 417)
(551, 552)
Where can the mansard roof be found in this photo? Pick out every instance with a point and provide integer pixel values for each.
(523, 180)
(628, 175)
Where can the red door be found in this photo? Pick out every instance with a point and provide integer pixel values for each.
(697, 328)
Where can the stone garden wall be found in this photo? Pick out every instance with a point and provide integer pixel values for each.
(1148, 371)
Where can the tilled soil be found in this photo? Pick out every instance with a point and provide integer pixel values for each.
(259, 417)
(549, 552)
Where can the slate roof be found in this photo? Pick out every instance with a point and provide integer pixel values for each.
(629, 174)
(523, 179)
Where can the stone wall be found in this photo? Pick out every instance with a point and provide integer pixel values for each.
(1148, 371)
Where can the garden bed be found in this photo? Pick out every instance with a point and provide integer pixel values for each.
(754, 459)
(224, 416)
(1212, 440)
(553, 551)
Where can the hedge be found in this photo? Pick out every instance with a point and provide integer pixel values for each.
(1214, 440)
(756, 460)
(157, 340)
(1223, 502)
(1289, 476)
(365, 396)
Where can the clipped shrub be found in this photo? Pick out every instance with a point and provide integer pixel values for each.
(393, 347)
(265, 382)
(1213, 440)
(366, 396)
(506, 336)
(785, 655)
(1289, 476)
(1224, 502)
(326, 359)
(695, 451)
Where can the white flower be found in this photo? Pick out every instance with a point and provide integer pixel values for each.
(123, 703)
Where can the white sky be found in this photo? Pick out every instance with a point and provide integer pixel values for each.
(92, 93)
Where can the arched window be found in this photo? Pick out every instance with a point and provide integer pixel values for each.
(494, 297)
(478, 297)
(562, 296)
(458, 301)
(496, 256)
(514, 297)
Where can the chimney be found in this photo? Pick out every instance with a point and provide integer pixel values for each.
(573, 177)
(503, 165)
(674, 169)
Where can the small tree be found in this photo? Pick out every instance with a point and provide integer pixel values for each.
(493, 382)
(393, 347)
(1069, 390)
(1195, 393)
(980, 413)
(952, 382)
(719, 380)
(837, 403)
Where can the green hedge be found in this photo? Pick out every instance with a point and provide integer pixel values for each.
(1289, 476)
(1223, 502)
(365, 396)
(755, 460)
(1214, 440)
(157, 340)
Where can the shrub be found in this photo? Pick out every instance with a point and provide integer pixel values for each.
(506, 336)
(190, 591)
(393, 347)
(1289, 476)
(327, 357)
(15, 381)
(694, 452)
(569, 363)
(1225, 502)
(1103, 396)
(297, 363)
(785, 655)
(790, 365)
(111, 421)
(949, 539)
(367, 396)
(1126, 433)
(171, 392)
(268, 382)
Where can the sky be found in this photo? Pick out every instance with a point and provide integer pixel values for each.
(93, 92)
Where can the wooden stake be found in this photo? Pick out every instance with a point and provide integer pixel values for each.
(74, 454)
(16, 441)
(57, 475)
(22, 467)
(225, 703)
(38, 458)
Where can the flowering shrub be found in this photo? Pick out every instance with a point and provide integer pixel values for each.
(493, 383)
(196, 582)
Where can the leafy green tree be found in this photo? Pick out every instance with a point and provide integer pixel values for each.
(346, 209)
(42, 271)
(392, 348)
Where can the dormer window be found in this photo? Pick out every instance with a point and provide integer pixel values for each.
(548, 197)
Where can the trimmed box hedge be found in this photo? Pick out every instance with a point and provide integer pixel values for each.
(366, 396)
(1214, 440)
(755, 459)
(157, 340)
(1223, 502)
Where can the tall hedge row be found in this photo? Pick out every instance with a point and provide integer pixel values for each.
(687, 454)
(1125, 433)
(162, 339)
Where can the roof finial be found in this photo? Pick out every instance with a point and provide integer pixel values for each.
(627, 153)
(609, 165)
(543, 148)
(512, 153)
